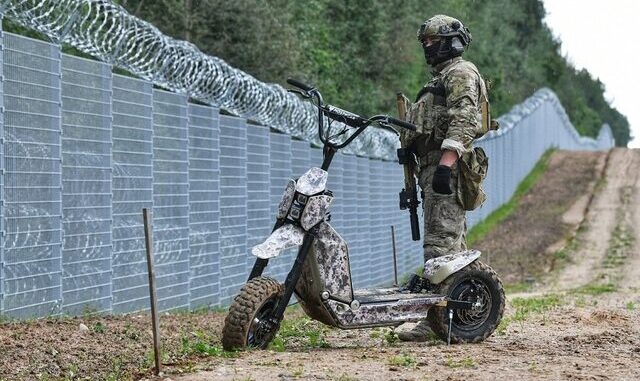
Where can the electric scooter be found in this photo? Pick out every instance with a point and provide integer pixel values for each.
(461, 297)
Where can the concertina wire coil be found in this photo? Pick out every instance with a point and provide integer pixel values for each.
(108, 32)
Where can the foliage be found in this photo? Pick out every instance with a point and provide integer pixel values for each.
(303, 330)
(199, 344)
(404, 360)
(596, 289)
(361, 52)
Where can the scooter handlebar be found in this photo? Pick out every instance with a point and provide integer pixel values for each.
(401, 123)
(300, 85)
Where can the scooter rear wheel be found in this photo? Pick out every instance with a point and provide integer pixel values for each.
(245, 324)
(480, 285)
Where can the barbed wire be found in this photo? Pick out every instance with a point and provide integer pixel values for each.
(108, 32)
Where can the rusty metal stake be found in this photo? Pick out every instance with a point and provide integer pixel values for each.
(148, 241)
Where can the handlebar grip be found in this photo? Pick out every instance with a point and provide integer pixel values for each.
(298, 84)
(402, 124)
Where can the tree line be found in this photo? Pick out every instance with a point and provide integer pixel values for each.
(362, 52)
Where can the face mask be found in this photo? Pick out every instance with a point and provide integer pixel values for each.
(431, 53)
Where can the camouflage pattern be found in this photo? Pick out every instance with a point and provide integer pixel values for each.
(287, 199)
(444, 218)
(439, 26)
(332, 256)
(313, 181)
(438, 269)
(285, 237)
(411, 309)
(448, 117)
(315, 211)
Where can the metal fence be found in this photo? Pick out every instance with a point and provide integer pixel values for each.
(84, 150)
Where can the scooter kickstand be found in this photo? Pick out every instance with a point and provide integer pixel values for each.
(450, 320)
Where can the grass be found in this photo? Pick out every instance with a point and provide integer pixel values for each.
(403, 359)
(525, 307)
(513, 288)
(310, 332)
(595, 289)
(480, 230)
(620, 245)
(466, 362)
(391, 337)
(200, 344)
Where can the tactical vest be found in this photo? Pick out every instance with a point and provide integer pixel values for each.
(431, 117)
(429, 112)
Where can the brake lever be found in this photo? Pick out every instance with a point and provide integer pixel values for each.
(303, 94)
(387, 126)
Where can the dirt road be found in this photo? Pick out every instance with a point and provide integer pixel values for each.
(583, 323)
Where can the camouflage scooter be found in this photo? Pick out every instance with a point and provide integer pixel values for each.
(462, 297)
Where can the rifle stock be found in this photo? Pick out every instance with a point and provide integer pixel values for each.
(406, 158)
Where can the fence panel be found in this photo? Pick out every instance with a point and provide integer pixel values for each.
(259, 206)
(2, 137)
(132, 152)
(171, 199)
(280, 162)
(86, 185)
(32, 177)
(233, 206)
(204, 206)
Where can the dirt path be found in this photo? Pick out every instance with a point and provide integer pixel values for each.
(585, 325)
(606, 209)
(631, 277)
(582, 324)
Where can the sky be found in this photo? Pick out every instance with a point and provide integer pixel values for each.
(603, 37)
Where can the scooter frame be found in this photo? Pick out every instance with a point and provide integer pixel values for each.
(321, 274)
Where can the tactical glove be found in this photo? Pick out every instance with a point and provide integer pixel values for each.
(442, 180)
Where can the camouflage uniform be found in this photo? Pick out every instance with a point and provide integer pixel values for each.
(449, 117)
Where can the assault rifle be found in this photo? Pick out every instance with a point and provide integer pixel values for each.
(406, 158)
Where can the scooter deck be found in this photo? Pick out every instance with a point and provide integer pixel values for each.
(391, 294)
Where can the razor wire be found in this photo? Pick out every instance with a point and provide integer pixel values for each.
(108, 32)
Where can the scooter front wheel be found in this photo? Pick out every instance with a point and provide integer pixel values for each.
(478, 284)
(247, 323)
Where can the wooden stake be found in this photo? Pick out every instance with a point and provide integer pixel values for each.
(148, 241)
(395, 266)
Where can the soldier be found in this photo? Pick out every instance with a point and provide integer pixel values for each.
(449, 116)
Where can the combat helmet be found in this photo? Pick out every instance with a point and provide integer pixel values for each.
(452, 36)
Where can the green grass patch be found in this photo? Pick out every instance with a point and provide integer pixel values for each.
(480, 230)
(391, 337)
(540, 304)
(620, 245)
(466, 362)
(403, 359)
(595, 289)
(527, 306)
(302, 330)
(200, 344)
(512, 288)
(631, 306)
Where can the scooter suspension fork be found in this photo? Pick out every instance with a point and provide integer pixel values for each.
(292, 278)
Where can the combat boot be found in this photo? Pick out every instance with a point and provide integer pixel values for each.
(419, 333)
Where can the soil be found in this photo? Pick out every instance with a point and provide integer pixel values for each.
(523, 246)
(579, 322)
